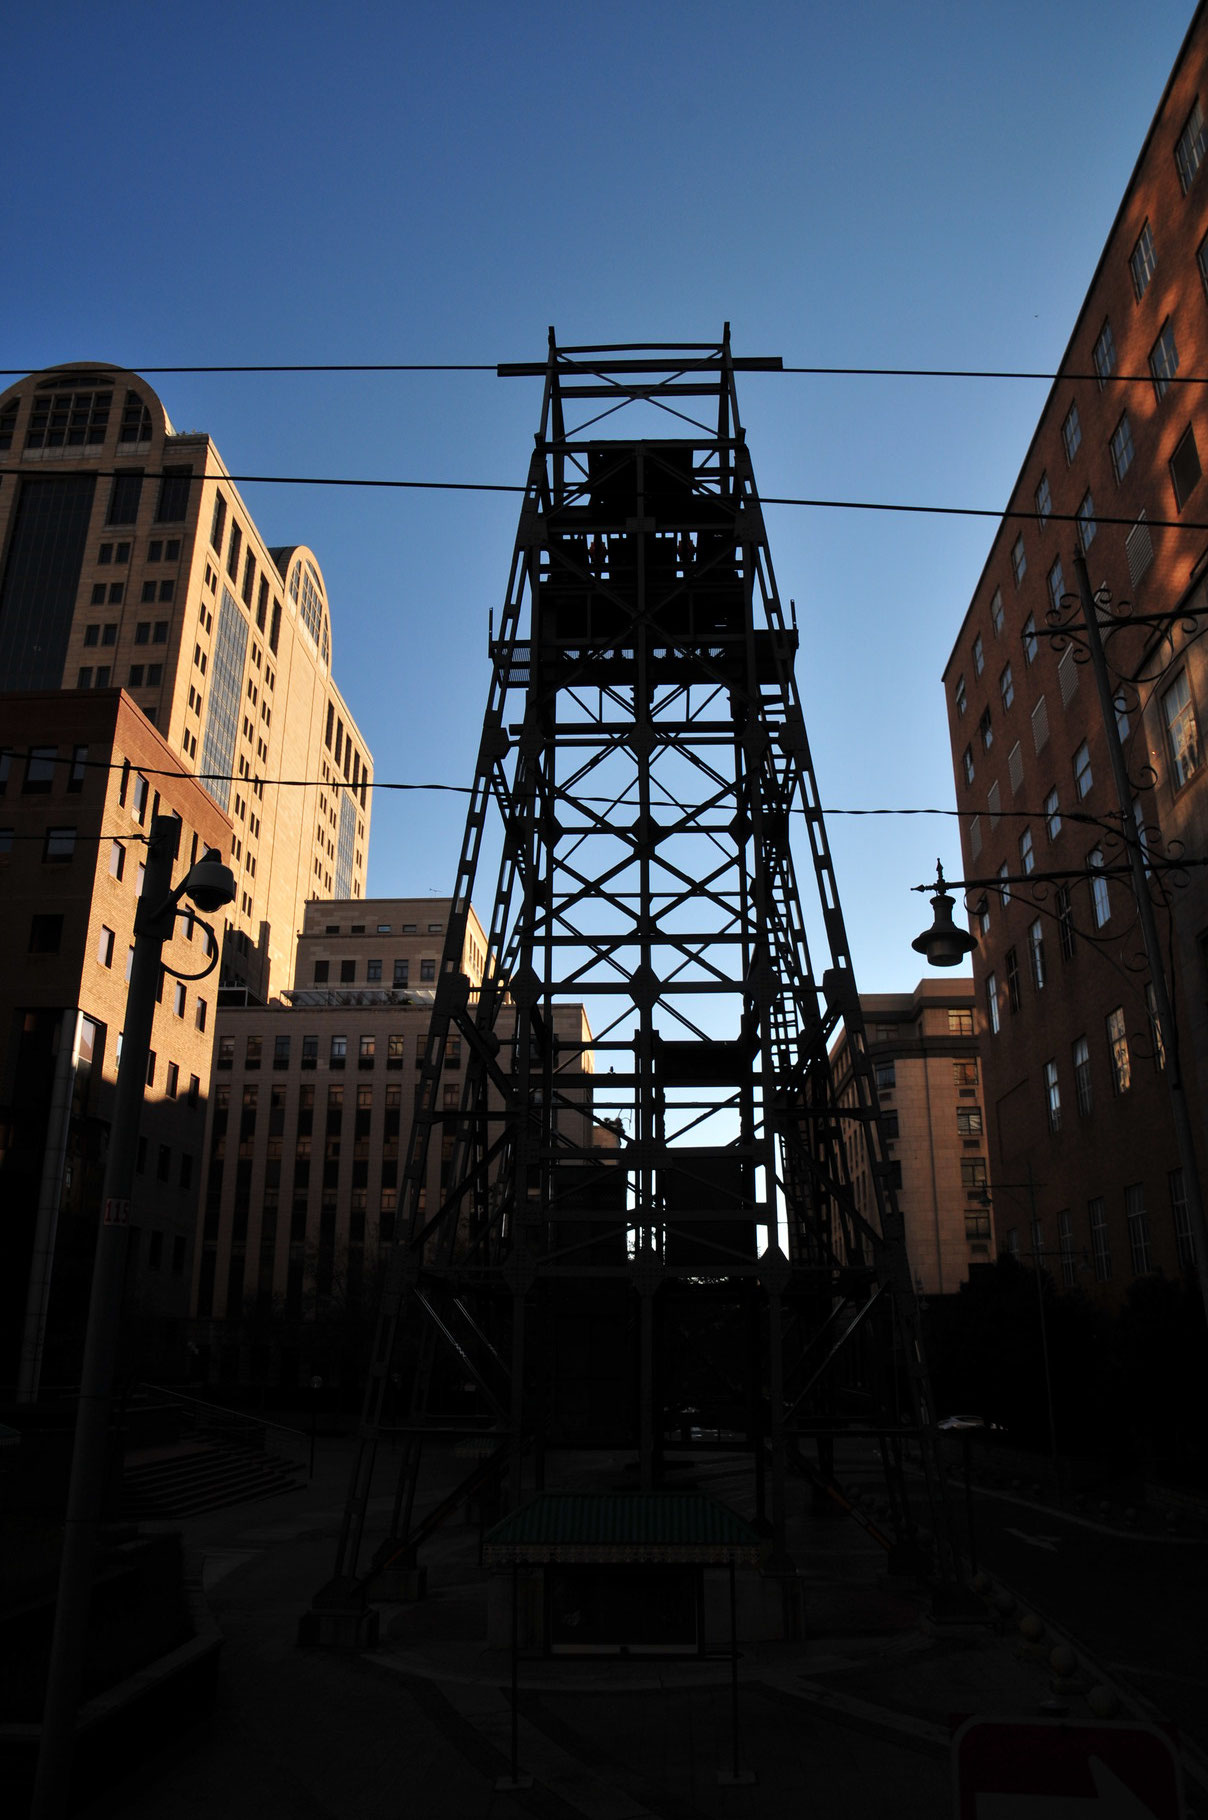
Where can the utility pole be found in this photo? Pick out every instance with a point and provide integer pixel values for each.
(210, 885)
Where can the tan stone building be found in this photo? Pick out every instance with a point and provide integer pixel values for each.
(80, 779)
(309, 1123)
(128, 559)
(924, 1055)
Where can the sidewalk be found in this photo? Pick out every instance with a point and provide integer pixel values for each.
(853, 1721)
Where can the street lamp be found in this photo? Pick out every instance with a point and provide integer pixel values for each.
(943, 944)
(210, 885)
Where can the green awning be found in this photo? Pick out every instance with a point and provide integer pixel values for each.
(623, 1527)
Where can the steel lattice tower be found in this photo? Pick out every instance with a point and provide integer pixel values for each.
(670, 1242)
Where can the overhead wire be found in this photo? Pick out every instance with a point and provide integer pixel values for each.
(493, 366)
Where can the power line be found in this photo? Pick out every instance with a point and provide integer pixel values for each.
(578, 370)
(1027, 514)
(339, 783)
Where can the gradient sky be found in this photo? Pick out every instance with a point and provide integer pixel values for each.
(874, 185)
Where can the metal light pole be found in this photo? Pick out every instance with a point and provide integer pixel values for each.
(1184, 1139)
(210, 885)
(1037, 1253)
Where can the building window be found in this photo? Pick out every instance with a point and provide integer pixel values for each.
(1120, 704)
(1014, 996)
(1185, 467)
(1006, 686)
(992, 1003)
(1086, 521)
(1036, 953)
(962, 700)
(59, 844)
(1104, 354)
(1019, 560)
(1052, 1096)
(1142, 262)
(179, 996)
(1182, 733)
(402, 972)
(1100, 1250)
(996, 612)
(394, 1051)
(1189, 152)
(886, 1076)
(973, 1173)
(1004, 889)
(985, 730)
(968, 1121)
(322, 972)
(960, 1023)
(104, 947)
(1157, 1042)
(1138, 1228)
(1015, 768)
(1100, 897)
(1184, 1239)
(1122, 447)
(338, 1052)
(199, 1016)
(967, 764)
(1117, 1044)
(1164, 360)
(124, 497)
(373, 972)
(45, 933)
(1027, 858)
(310, 1052)
(427, 970)
(1065, 922)
(348, 972)
(1082, 1078)
(979, 656)
(1082, 772)
(1071, 433)
(1052, 815)
(1029, 640)
(964, 1074)
(368, 1048)
(1065, 1246)
(1044, 501)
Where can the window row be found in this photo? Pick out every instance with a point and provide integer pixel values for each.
(255, 1051)
(400, 974)
(1097, 1256)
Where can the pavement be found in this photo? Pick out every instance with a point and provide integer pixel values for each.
(854, 1720)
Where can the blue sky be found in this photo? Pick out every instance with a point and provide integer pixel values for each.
(878, 185)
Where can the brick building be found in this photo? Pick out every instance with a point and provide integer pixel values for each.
(78, 789)
(309, 1123)
(1075, 1067)
(924, 1055)
(128, 558)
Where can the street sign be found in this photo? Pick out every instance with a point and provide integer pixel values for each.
(1049, 1769)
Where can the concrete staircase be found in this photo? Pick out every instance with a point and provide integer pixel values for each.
(185, 1478)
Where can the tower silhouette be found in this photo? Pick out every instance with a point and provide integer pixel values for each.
(647, 1236)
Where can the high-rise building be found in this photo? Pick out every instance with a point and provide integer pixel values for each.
(128, 559)
(310, 1121)
(925, 1063)
(1076, 1066)
(79, 786)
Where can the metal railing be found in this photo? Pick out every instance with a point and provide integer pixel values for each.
(203, 1421)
